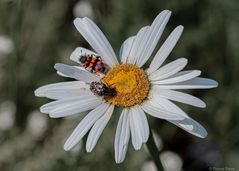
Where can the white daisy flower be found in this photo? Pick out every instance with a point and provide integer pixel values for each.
(125, 84)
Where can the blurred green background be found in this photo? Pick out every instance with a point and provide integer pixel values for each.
(34, 35)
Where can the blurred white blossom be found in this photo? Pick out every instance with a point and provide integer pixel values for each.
(7, 115)
(171, 161)
(83, 9)
(6, 45)
(149, 166)
(37, 123)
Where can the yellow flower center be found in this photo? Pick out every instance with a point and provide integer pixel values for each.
(130, 83)
(123, 82)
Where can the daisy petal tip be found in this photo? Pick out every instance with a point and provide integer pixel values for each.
(185, 60)
(199, 130)
(38, 93)
(43, 110)
(203, 105)
(137, 148)
(203, 134)
(168, 14)
(66, 148)
(198, 72)
(86, 18)
(180, 28)
(119, 158)
(167, 11)
(76, 20)
(88, 151)
(215, 83)
(118, 161)
(57, 65)
(212, 83)
(53, 116)
(89, 148)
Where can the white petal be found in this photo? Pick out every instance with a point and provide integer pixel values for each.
(126, 48)
(122, 136)
(138, 40)
(143, 123)
(76, 73)
(98, 128)
(75, 108)
(70, 106)
(191, 126)
(179, 97)
(188, 124)
(96, 39)
(62, 75)
(138, 126)
(168, 69)
(135, 131)
(70, 85)
(158, 112)
(63, 93)
(47, 108)
(165, 49)
(78, 52)
(167, 105)
(195, 83)
(85, 125)
(153, 35)
(76, 68)
(63, 90)
(179, 77)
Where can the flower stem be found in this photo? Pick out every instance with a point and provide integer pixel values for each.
(154, 152)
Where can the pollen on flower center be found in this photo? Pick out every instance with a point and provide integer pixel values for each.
(130, 83)
(123, 82)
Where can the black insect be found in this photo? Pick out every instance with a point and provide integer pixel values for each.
(100, 89)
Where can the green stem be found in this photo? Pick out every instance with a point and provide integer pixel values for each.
(154, 152)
